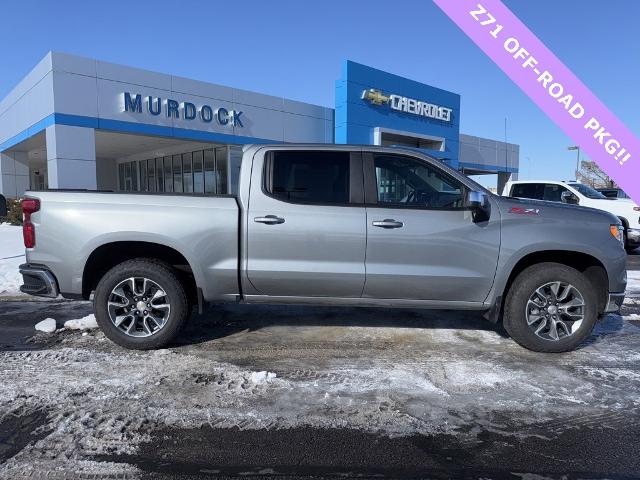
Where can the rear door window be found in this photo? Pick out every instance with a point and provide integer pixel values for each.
(311, 177)
(534, 191)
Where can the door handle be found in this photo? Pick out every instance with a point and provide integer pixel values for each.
(269, 220)
(388, 223)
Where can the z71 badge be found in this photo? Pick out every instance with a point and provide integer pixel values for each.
(525, 211)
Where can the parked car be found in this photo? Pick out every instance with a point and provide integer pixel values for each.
(575, 193)
(328, 225)
(614, 193)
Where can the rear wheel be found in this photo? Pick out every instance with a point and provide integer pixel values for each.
(140, 304)
(550, 307)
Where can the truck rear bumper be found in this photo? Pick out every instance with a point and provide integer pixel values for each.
(38, 280)
(614, 302)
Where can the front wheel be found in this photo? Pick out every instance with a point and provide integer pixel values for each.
(550, 307)
(140, 304)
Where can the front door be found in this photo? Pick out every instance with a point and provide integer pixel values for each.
(422, 242)
(306, 236)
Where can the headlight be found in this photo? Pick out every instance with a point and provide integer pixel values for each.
(618, 232)
(637, 209)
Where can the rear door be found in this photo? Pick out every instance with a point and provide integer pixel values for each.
(306, 232)
(422, 243)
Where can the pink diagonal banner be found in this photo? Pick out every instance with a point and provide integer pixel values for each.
(552, 86)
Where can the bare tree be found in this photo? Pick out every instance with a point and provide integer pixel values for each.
(591, 174)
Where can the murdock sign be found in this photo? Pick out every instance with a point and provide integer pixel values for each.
(186, 110)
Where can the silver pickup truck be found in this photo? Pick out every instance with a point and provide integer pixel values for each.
(328, 225)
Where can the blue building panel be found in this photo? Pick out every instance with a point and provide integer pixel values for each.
(395, 104)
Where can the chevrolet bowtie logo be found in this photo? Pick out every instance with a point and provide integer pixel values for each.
(375, 96)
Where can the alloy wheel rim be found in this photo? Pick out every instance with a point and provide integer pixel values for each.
(555, 311)
(138, 307)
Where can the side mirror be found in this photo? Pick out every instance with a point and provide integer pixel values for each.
(3, 206)
(569, 198)
(479, 204)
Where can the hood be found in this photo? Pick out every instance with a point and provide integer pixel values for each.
(541, 208)
(621, 207)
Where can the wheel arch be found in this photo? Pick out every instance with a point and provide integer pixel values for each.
(108, 255)
(590, 266)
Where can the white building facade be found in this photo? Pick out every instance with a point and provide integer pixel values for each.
(79, 123)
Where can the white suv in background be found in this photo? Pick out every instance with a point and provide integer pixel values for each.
(580, 194)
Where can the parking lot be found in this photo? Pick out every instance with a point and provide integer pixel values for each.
(304, 391)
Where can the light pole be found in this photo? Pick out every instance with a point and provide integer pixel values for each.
(576, 147)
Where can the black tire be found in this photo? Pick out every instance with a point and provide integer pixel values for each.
(625, 241)
(525, 284)
(158, 272)
(627, 246)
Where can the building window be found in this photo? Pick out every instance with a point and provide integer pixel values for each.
(159, 175)
(177, 173)
(202, 171)
(143, 175)
(209, 171)
(128, 176)
(187, 172)
(151, 175)
(221, 170)
(198, 174)
(168, 178)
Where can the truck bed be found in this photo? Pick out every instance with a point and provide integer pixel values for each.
(202, 228)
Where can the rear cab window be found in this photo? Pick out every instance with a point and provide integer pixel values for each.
(313, 177)
(534, 191)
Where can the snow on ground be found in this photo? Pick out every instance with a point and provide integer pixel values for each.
(395, 372)
(48, 325)
(633, 283)
(84, 323)
(11, 256)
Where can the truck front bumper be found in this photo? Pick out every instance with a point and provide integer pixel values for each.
(38, 280)
(614, 303)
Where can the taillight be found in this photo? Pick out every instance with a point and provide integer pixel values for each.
(29, 206)
(29, 234)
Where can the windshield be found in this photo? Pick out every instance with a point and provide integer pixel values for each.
(587, 191)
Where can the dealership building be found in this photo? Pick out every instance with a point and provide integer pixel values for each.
(80, 123)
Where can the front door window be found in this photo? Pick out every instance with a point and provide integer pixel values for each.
(405, 182)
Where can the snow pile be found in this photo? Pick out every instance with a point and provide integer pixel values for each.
(633, 282)
(11, 256)
(84, 323)
(262, 377)
(48, 325)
